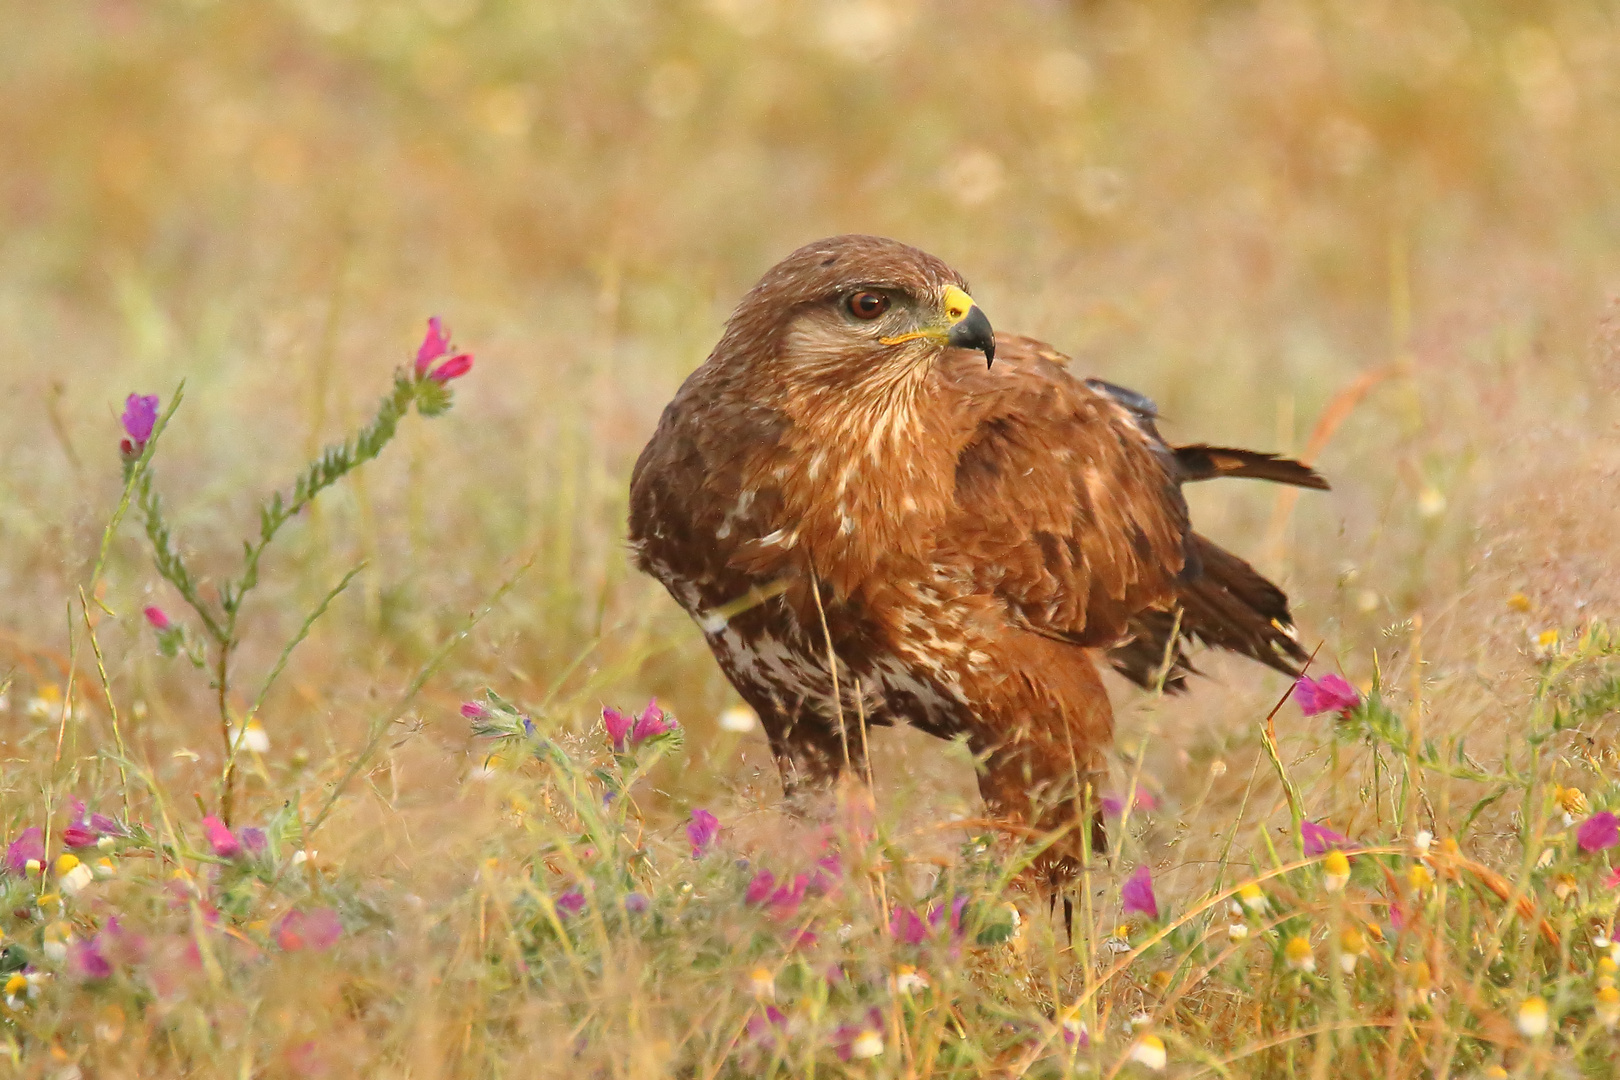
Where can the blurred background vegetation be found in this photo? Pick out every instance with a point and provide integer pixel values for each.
(1402, 212)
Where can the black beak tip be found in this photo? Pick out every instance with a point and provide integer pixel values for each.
(974, 332)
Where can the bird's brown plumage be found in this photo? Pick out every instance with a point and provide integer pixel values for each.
(970, 531)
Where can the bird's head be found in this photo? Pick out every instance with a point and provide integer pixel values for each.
(851, 309)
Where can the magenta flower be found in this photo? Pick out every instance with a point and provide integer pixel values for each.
(652, 723)
(85, 959)
(473, 710)
(1137, 893)
(1114, 805)
(317, 930)
(617, 725)
(701, 831)
(453, 368)
(907, 927)
(82, 832)
(28, 847)
(140, 416)
(957, 907)
(121, 946)
(828, 873)
(433, 346)
(1601, 830)
(1319, 839)
(1330, 693)
(1613, 880)
(255, 840)
(223, 842)
(157, 617)
(571, 902)
(760, 1027)
(635, 903)
(760, 888)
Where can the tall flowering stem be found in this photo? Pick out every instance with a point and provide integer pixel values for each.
(413, 387)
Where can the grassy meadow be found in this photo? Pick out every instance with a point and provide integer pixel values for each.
(355, 813)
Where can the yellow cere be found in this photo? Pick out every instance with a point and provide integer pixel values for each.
(957, 304)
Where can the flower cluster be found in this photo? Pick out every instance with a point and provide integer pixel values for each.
(627, 732)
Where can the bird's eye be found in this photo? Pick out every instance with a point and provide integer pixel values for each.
(867, 304)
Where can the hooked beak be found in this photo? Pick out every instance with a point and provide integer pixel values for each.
(969, 329)
(973, 332)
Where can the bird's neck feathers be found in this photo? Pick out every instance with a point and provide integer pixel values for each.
(866, 468)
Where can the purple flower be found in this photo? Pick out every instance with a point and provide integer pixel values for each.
(1319, 839)
(1114, 805)
(317, 930)
(1601, 830)
(907, 927)
(473, 710)
(760, 1027)
(635, 903)
(571, 902)
(701, 831)
(760, 888)
(140, 416)
(223, 842)
(28, 847)
(1137, 893)
(433, 346)
(255, 840)
(617, 726)
(957, 906)
(157, 617)
(828, 872)
(652, 723)
(1330, 693)
(85, 959)
(453, 368)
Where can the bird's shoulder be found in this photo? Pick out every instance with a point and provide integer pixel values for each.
(1067, 503)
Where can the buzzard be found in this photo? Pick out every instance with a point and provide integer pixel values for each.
(880, 511)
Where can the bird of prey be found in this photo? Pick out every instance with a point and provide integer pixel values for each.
(880, 511)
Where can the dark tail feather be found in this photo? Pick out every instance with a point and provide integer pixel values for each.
(1202, 462)
(1227, 606)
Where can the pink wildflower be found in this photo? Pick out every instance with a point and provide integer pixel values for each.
(957, 906)
(1319, 839)
(701, 831)
(140, 417)
(223, 842)
(1601, 830)
(760, 1027)
(86, 960)
(784, 902)
(652, 723)
(1137, 893)
(1114, 805)
(760, 888)
(571, 902)
(157, 617)
(28, 847)
(1613, 880)
(828, 873)
(317, 930)
(617, 726)
(433, 346)
(907, 927)
(1330, 693)
(453, 368)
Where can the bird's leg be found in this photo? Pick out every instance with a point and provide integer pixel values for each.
(808, 750)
